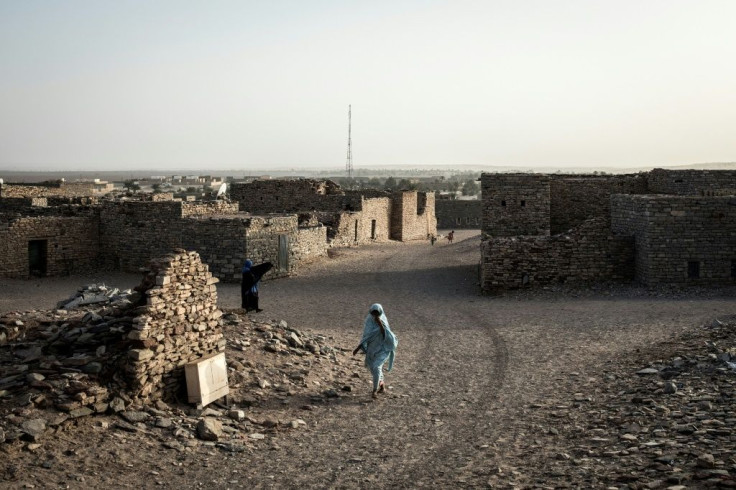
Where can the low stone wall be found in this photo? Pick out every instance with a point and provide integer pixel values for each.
(679, 239)
(458, 214)
(311, 243)
(54, 189)
(21, 204)
(206, 208)
(590, 253)
(693, 182)
(71, 244)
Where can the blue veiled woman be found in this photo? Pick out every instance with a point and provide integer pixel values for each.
(379, 344)
(249, 285)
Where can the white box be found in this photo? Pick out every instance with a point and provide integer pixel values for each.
(207, 379)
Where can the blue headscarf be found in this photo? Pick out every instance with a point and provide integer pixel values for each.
(246, 266)
(374, 344)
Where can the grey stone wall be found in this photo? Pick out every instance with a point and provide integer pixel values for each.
(72, 244)
(515, 204)
(285, 196)
(693, 182)
(590, 253)
(458, 214)
(576, 198)
(677, 234)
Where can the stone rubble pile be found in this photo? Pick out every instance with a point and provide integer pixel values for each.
(670, 423)
(266, 361)
(123, 355)
(94, 294)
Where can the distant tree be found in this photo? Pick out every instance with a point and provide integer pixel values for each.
(471, 188)
(131, 185)
(390, 184)
(407, 184)
(191, 190)
(156, 188)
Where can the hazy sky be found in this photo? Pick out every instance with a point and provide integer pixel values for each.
(235, 84)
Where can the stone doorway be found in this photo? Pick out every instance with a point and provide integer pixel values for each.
(37, 253)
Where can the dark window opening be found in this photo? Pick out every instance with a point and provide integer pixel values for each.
(733, 269)
(693, 269)
(356, 230)
(373, 229)
(503, 203)
(523, 204)
(678, 181)
(37, 257)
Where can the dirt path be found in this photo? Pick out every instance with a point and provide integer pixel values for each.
(467, 369)
(467, 365)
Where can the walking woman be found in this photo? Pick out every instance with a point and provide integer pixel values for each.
(379, 344)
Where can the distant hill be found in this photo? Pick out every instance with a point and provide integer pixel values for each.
(362, 171)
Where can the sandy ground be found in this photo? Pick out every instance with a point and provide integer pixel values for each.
(466, 367)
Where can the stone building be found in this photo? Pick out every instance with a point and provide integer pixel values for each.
(352, 217)
(37, 239)
(659, 227)
(458, 213)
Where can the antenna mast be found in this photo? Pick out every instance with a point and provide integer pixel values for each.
(349, 163)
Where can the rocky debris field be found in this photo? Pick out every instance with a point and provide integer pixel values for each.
(661, 417)
(607, 386)
(278, 377)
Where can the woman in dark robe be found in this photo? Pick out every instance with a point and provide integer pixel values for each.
(252, 274)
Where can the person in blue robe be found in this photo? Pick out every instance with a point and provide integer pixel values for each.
(379, 345)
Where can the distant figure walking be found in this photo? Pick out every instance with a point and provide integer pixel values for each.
(432, 239)
(379, 345)
(252, 274)
(451, 236)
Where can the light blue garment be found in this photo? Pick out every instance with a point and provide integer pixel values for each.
(378, 347)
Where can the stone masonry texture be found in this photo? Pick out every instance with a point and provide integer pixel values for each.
(515, 204)
(456, 213)
(674, 233)
(674, 226)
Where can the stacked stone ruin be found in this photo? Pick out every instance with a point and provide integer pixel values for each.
(658, 227)
(179, 324)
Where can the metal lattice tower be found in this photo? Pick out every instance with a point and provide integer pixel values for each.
(349, 163)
